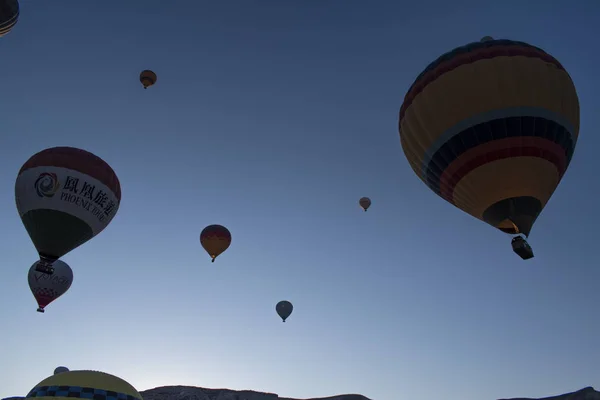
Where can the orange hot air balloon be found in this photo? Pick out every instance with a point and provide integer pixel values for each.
(365, 203)
(65, 196)
(215, 239)
(148, 78)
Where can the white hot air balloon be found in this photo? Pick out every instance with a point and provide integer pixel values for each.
(47, 288)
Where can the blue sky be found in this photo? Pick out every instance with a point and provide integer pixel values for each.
(273, 118)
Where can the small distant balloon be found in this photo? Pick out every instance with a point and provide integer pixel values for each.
(47, 288)
(486, 39)
(215, 239)
(148, 78)
(365, 203)
(61, 369)
(284, 309)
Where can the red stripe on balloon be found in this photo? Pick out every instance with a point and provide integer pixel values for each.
(470, 57)
(549, 151)
(78, 160)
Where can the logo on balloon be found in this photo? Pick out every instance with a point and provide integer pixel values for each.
(46, 185)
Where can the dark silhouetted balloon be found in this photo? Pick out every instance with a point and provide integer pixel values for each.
(215, 239)
(284, 309)
(147, 78)
(365, 203)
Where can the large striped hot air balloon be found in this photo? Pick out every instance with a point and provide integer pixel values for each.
(65, 196)
(491, 127)
(70, 385)
(215, 239)
(9, 15)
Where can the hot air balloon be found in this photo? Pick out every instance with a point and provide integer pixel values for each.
(147, 78)
(83, 385)
(215, 239)
(47, 288)
(365, 203)
(284, 309)
(60, 370)
(65, 196)
(491, 128)
(9, 15)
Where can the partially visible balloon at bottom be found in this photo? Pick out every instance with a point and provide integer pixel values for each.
(71, 385)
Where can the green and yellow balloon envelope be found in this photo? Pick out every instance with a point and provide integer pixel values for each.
(91, 385)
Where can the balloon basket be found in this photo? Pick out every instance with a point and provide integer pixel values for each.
(522, 248)
(45, 269)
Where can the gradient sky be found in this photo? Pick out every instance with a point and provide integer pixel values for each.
(273, 118)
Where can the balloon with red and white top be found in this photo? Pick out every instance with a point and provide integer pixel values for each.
(65, 196)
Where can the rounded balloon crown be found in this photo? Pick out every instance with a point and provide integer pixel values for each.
(60, 369)
(456, 57)
(147, 73)
(284, 304)
(215, 228)
(76, 159)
